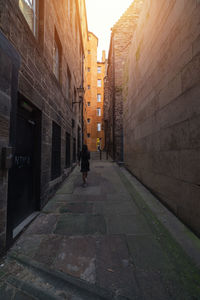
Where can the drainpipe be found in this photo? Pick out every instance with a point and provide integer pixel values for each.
(113, 102)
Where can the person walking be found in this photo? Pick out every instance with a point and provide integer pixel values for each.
(84, 158)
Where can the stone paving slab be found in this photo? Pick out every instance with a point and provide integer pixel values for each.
(28, 245)
(106, 235)
(77, 257)
(89, 190)
(77, 208)
(78, 224)
(45, 224)
(130, 224)
(114, 208)
(114, 267)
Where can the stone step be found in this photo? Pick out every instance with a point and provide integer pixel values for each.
(39, 282)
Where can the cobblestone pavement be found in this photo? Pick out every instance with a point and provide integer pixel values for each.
(110, 240)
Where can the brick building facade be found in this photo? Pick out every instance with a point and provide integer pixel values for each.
(162, 106)
(121, 37)
(41, 54)
(94, 96)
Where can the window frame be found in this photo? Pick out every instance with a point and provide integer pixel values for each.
(98, 111)
(98, 98)
(57, 57)
(34, 7)
(98, 126)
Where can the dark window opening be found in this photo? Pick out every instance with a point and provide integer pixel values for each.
(74, 150)
(68, 151)
(57, 57)
(56, 151)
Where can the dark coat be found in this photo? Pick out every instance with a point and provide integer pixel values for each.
(84, 157)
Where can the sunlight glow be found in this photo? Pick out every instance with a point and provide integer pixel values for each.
(102, 15)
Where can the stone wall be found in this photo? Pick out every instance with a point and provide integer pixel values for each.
(162, 109)
(121, 37)
(9, 62)
(37, 83)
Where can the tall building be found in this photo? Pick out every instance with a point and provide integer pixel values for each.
(121, 37)
(42, 47)
(94, 96)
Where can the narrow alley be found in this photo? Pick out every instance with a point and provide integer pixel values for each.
(109, 240)
(118, 81)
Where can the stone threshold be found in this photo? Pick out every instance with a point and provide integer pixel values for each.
(23, 224)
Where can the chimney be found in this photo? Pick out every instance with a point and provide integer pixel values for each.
(103, 56)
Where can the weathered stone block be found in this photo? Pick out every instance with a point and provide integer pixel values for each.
(194, 132)
(196, 46)
(191, 73)
(190, 166)
(175, 137)
(170, 92)
(167, 163)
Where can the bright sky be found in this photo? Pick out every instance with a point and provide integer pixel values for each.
(102, 15)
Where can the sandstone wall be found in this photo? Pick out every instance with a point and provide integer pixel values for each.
(9, 62)
(36, 79)
(38, 84)
(162, 109)
(121, 38)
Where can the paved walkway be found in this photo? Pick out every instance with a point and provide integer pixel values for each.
(110, 240)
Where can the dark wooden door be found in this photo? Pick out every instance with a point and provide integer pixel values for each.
(24, 176)
(22, 181)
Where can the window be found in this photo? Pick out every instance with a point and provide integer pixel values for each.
(99, 82)
(88, 69)
(88, 135)
(89, 52)
(88, 87)
(74, 150)
(98, 126)
(98, 112)
(57, 57)
(99, 98)
(68, 150)
(29, 9)
(98, 69)
(56, 151)
(89, 37)
(88, 120)
(88, 103)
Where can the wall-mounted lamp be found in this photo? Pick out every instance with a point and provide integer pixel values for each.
(81, 93)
